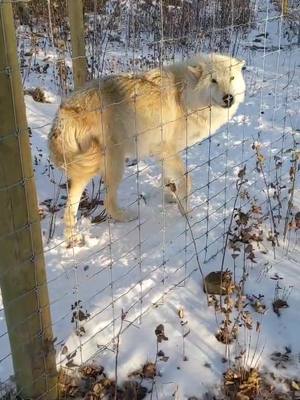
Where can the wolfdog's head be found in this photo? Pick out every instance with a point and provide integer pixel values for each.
(217, 80)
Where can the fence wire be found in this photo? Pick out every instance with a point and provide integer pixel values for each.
(132, 268)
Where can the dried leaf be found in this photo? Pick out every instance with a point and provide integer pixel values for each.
(71, 355)
(181, 313)
(91, 371)
(165, 358)
(160, 333)
(187, 333)
(149, 370)
(279, 304)
(71, 364)
(242, 172)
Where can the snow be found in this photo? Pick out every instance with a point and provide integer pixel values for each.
(148, 267)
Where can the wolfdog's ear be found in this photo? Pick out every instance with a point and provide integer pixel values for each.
(196, 71)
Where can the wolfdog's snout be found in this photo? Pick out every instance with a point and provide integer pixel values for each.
(228, 100)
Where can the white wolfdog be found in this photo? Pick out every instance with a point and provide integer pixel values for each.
(158, 113)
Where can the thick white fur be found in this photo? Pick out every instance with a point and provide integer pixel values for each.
(158, 113)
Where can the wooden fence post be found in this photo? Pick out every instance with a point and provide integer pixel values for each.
(80, 72)
(285, 7)
(22, 270)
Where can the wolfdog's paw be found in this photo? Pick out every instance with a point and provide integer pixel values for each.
(124, 215)
(169, 196)
(76, 240)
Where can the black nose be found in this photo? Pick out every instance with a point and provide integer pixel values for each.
(228, 100)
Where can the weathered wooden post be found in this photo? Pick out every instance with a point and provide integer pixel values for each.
(80, 72)
(285, 7)
(22, 270)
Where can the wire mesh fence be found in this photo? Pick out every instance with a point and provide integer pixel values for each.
(119, 278)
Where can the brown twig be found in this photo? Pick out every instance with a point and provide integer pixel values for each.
(172, 187)
(123, 316)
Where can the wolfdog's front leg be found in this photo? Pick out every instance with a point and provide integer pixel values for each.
(175, 173)
(77, 185)
(114, 169)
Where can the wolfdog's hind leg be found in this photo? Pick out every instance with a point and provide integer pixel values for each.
(113, 174)
(77, 186)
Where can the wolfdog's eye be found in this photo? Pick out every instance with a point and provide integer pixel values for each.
(232, 78)
(214, 81)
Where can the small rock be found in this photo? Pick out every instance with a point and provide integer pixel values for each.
(213, 281)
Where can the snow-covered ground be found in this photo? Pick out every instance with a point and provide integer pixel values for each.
(147, 268)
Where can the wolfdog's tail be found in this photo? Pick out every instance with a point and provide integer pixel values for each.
(61, 139)
(72, 135)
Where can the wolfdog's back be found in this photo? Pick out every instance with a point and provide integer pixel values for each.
(105, 112)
